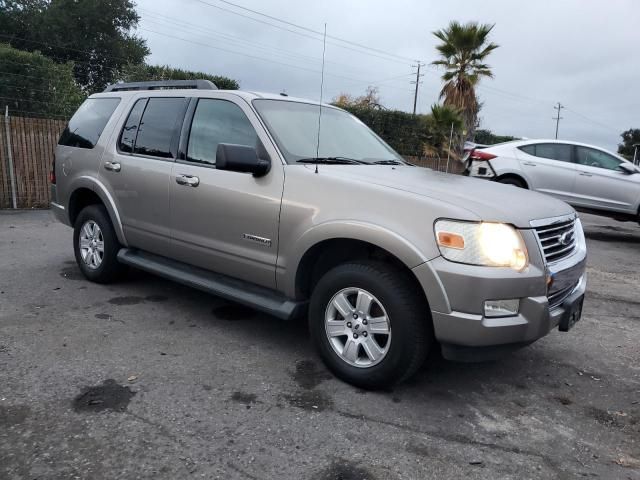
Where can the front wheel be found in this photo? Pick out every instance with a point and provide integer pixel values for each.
(370, 324)
(96, 245)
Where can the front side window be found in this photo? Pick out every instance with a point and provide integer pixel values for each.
(596, 158)
(86, 125)
(294, 126)
(214, 122)
(158, 126)
(554, 151)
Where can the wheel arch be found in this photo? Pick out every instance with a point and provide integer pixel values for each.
(90, 191)
(515, 176)
(329, 253)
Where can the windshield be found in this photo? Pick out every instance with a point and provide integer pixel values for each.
(294, 126)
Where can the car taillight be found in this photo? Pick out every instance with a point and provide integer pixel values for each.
(479, 155)
(52, 173)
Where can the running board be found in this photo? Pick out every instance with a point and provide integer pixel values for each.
(249, 294)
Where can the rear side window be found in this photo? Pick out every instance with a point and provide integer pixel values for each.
(130, 130)
(86, 125)
(214, 122)
(157, 131)
(553, 151)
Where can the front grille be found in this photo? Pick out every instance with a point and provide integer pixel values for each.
(558, 240)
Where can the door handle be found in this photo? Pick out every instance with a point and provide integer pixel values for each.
(530, 164)
(112, 166)
(187, 180)
(586, 174)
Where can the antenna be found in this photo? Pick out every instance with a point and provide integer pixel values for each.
(324, 49)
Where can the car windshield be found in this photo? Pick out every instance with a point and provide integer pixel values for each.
(294, 126)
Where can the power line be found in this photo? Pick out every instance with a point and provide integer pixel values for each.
(557, 118)
(311, 30)
(253, 56)
(187, 27)
(591, 120)
(365, 50)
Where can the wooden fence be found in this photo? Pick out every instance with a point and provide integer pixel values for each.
(29, 144)
(32, 142)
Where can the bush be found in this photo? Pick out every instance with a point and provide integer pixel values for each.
(406, 133)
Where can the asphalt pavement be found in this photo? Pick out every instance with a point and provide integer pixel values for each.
(152, 380)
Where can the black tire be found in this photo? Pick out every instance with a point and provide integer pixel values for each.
(408, 313)
(109, 269)
(516, 182)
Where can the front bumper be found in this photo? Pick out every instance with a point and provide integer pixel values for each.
(457, 293)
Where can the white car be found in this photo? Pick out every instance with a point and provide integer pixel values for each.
(588, 178)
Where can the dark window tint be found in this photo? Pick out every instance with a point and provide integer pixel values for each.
(214, 122)
(596, 158)
(86, 125)
(530, 149)
(130, 129)
(554, 151)
(158, 126)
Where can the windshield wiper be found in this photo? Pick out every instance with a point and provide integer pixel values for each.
(332, 160)
(388, 162)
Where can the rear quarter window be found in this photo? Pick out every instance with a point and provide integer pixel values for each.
(86, 125)
(530, 149)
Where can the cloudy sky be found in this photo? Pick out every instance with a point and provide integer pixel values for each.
(582, 53)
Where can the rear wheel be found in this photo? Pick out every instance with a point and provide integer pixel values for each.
(96, 245)
(516, 182)
(370, 325)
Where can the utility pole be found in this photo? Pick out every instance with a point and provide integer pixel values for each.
(557, 118)
(417, 82)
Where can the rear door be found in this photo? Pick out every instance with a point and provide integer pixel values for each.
(138, 169)
(601, 184)
(225, 221)
(549, 168)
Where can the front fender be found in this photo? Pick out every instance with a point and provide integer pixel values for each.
(376, 235)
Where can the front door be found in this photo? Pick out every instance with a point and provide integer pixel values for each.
(225, 221)
(549, 168)
(601, 184)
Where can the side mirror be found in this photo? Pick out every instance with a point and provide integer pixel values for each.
(628, 168)
(240, 158)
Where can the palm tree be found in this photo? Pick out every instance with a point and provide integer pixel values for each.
(463, 51)
(439, 124)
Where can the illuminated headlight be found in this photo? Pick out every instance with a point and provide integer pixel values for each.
(483, 243)
(501, 308)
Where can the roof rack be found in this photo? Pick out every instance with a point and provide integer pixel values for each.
(162, 85)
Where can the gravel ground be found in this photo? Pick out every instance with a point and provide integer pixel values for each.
(149, 379)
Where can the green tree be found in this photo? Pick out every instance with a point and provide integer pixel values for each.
(94, 34)
(34, 85)
(463, 51)
(143, 72)
(487, 137)
(630, 138)
(441, 125)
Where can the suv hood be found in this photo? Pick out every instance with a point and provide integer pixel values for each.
(490, 201)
